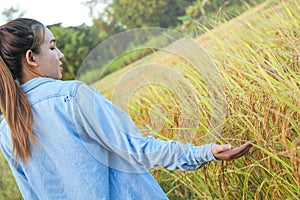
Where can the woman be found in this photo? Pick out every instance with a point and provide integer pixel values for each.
(64, 140)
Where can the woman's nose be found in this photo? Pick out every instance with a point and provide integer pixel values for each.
(60, 54)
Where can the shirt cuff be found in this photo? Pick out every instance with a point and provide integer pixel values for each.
(204, 154)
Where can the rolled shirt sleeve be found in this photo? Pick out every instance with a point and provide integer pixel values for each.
(111, 137)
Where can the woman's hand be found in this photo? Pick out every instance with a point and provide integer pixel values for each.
(226, 152)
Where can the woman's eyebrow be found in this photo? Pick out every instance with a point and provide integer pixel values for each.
(52, 41)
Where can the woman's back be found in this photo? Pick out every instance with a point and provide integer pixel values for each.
(62, 166)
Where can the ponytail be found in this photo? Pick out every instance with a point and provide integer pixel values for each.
(16, 37)
(17, 112)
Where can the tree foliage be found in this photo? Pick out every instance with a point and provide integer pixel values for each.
(145, 13)
(106, 24)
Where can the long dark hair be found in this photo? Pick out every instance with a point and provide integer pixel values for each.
(16, 37)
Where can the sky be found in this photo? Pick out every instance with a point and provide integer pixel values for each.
(67, 12)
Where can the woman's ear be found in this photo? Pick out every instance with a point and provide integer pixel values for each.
(29, 58)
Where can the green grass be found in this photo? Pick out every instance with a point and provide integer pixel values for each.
(8, 187)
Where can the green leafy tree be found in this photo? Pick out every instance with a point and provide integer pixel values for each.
(92, 6)
(149, 13)
(106, 24)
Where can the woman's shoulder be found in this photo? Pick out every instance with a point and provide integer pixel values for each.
(67, 85)
(45, 88)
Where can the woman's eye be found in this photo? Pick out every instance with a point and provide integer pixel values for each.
(52, 48)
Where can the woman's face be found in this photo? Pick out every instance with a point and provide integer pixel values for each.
(49, 58)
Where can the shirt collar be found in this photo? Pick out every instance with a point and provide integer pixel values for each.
(33, 83)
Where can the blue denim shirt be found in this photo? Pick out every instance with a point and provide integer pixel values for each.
(88, 148)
